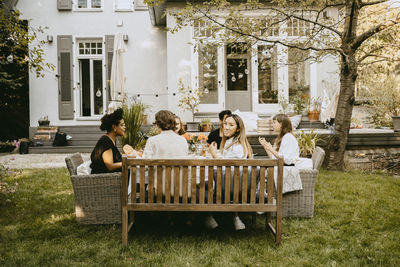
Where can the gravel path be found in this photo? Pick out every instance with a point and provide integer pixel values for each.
(26, 161)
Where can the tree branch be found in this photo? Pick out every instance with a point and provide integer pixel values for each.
(371, 32)
(363, 3)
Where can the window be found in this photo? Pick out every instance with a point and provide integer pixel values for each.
(123, 5)
(208, 74)
(90, 48)
(270, 27)
(296, 27)
(203, 28)
(267, 75)
(299, 73)
(90, 4)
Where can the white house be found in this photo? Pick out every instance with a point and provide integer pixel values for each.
(80, 44)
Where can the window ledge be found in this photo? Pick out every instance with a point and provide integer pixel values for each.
(94, 118)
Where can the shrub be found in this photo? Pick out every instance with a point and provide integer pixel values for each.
(307, 142)
(134, 116)
(384, 101)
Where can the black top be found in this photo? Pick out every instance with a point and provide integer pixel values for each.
(214, 137)
(104, 144)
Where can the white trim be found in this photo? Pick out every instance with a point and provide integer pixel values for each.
(313, 77)
(76, 78)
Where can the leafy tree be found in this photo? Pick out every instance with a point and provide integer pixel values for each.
(16, 60)
(347, 35)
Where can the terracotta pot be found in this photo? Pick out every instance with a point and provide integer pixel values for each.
(313, 115)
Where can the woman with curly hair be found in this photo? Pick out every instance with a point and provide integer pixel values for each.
(105, 156)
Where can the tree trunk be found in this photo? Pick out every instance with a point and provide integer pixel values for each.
(337, 144)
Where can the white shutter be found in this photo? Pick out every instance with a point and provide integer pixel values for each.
(123, 5)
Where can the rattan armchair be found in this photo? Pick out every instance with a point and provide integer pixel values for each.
(97, 196)
(301, 203)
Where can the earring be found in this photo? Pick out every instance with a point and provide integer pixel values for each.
(115, 130)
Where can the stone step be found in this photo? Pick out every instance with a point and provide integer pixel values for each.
(60, 149)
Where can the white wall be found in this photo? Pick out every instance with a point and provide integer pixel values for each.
(145, 59)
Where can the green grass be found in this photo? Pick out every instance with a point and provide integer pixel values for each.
(356, 223)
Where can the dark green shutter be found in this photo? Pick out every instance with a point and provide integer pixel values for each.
(109, 50)
(65, 83)
(64, 4)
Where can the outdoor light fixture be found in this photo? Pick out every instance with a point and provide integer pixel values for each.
(50, 38)
(125, 37)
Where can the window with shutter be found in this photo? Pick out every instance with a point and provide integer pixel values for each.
(140, 5)
(123, 5)
(89, 4)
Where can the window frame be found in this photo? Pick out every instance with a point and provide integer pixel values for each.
(88, 9)
(131, 9)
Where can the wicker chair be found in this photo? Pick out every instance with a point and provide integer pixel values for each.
(97, 196)
(301, 203)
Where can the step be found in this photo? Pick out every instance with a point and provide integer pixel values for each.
(59, 149)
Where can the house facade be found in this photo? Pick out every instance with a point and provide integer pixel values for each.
(80, 38)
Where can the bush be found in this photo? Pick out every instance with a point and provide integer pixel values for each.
(384, 99)
(134, 116)
(307, 142)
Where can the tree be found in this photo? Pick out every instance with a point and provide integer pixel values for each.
(345, 35)
(16, 60)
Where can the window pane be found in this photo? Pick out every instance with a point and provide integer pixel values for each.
(96, 3)
(299, 73)
(237, 74)
(85, 86)
(98, 86)
(208, 74)
(82, 4)
(267, 75)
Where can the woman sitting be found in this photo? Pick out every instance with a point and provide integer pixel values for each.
(179, 126)
(234, 145)
(286, 147)
(105, 156)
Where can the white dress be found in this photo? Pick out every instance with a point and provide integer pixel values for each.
(289, 151)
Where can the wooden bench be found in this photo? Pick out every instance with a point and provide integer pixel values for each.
(216, 195)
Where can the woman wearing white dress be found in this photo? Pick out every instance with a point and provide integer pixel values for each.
(234, 145)
(286, 147)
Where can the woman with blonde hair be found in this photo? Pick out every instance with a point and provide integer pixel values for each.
(234, 145)
(286, 147)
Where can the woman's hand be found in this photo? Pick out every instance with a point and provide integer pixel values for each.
(265, 144)
(213, 149)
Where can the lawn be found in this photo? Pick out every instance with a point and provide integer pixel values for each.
(356, 223)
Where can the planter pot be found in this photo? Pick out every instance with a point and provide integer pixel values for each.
(24, 148)
(44, 123)
(396, 123)
(206, 128)
(313, 115)
(192, 126)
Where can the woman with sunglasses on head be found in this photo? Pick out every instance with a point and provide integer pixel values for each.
(234, 145)
(286, 147)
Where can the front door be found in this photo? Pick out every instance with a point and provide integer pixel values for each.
(237, 94)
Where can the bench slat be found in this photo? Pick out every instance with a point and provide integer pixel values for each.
(200, 162)
(262, 185)
(151, 184)
(253, 185)
(193, 195)
(227, 184)
(168, 182)
(142, 172)
(185, 179)
(133, 184)
(218, 187)
(203, 207)
(236, 185)
(202, 185)
(210, 198)
(176, 184)
(245, 178)
(159, 184)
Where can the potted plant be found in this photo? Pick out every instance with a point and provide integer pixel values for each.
(44, 121)
(307, 142)
(206, 125)
(314, 109)
(134, 118)
(299, 103)
(190, 100)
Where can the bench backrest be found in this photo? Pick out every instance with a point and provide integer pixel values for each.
(226, 182)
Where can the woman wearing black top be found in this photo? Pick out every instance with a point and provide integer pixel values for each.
(105, 155)
(216, 135)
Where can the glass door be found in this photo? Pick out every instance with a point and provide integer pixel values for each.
(91, 85)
